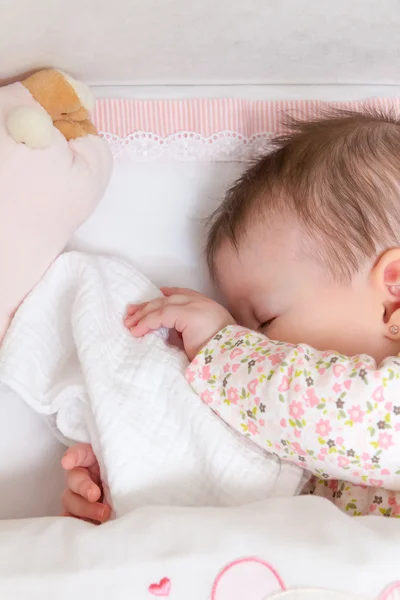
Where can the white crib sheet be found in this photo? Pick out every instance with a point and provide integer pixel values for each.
(30, 476)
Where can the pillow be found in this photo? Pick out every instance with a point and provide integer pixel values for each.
(45, 195)
(173, 161)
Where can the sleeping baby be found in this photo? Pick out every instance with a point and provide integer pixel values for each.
(305, 249)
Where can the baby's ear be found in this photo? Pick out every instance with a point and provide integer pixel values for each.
(385, 274)
(385, 277)
(392, 277)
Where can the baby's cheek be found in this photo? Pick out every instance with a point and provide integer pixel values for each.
(280, 331)
(292, 331)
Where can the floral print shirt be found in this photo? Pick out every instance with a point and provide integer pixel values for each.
(335, 416)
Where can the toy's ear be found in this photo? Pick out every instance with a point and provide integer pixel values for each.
(250, 578)
(60, 95)
(391, 592)
(83, 92)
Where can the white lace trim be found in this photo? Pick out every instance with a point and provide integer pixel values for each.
(188, 146)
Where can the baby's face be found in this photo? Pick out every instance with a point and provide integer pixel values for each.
(271, 286)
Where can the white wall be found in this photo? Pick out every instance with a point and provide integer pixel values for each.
(204, 41)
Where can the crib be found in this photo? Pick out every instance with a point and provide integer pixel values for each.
(187, 94)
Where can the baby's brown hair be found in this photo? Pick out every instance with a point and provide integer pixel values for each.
(338, 176)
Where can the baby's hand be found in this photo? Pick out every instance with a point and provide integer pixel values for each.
(83, 497)
(193, 315)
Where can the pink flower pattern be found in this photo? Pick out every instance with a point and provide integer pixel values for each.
(233, 395)
(207, 397)
(343, 462)
(252, 428)
(296, 410)
(385, 441)
(357, 500)
(337, 417)
(323, 428)
(356, 414)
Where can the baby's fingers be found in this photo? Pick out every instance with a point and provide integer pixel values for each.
(135, 312)
(155, 306)
(172, 291)
(171, 316)
(80, 482)
(80, 455)
(134, 308)
(77, 506)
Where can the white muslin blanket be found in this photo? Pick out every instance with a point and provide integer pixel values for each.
(69, 356)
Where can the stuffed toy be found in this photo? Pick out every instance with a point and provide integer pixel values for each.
(54, 169)
(67, 104)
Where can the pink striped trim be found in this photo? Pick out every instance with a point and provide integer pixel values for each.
(165, 117)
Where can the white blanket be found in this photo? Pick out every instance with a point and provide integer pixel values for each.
(68, 355)
(241, 553)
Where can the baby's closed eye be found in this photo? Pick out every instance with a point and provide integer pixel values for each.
(266, 323)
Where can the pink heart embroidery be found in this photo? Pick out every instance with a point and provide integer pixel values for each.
(162, 588)
(378, 394)
(206, 373)
(347, 384)
(391, 592)
(338, 370)
(235, 367)
(235, 352)
(285, 385)
(252, 386)
(251, 575)
(311, 398)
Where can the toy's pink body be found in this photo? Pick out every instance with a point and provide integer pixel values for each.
(46, 194)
